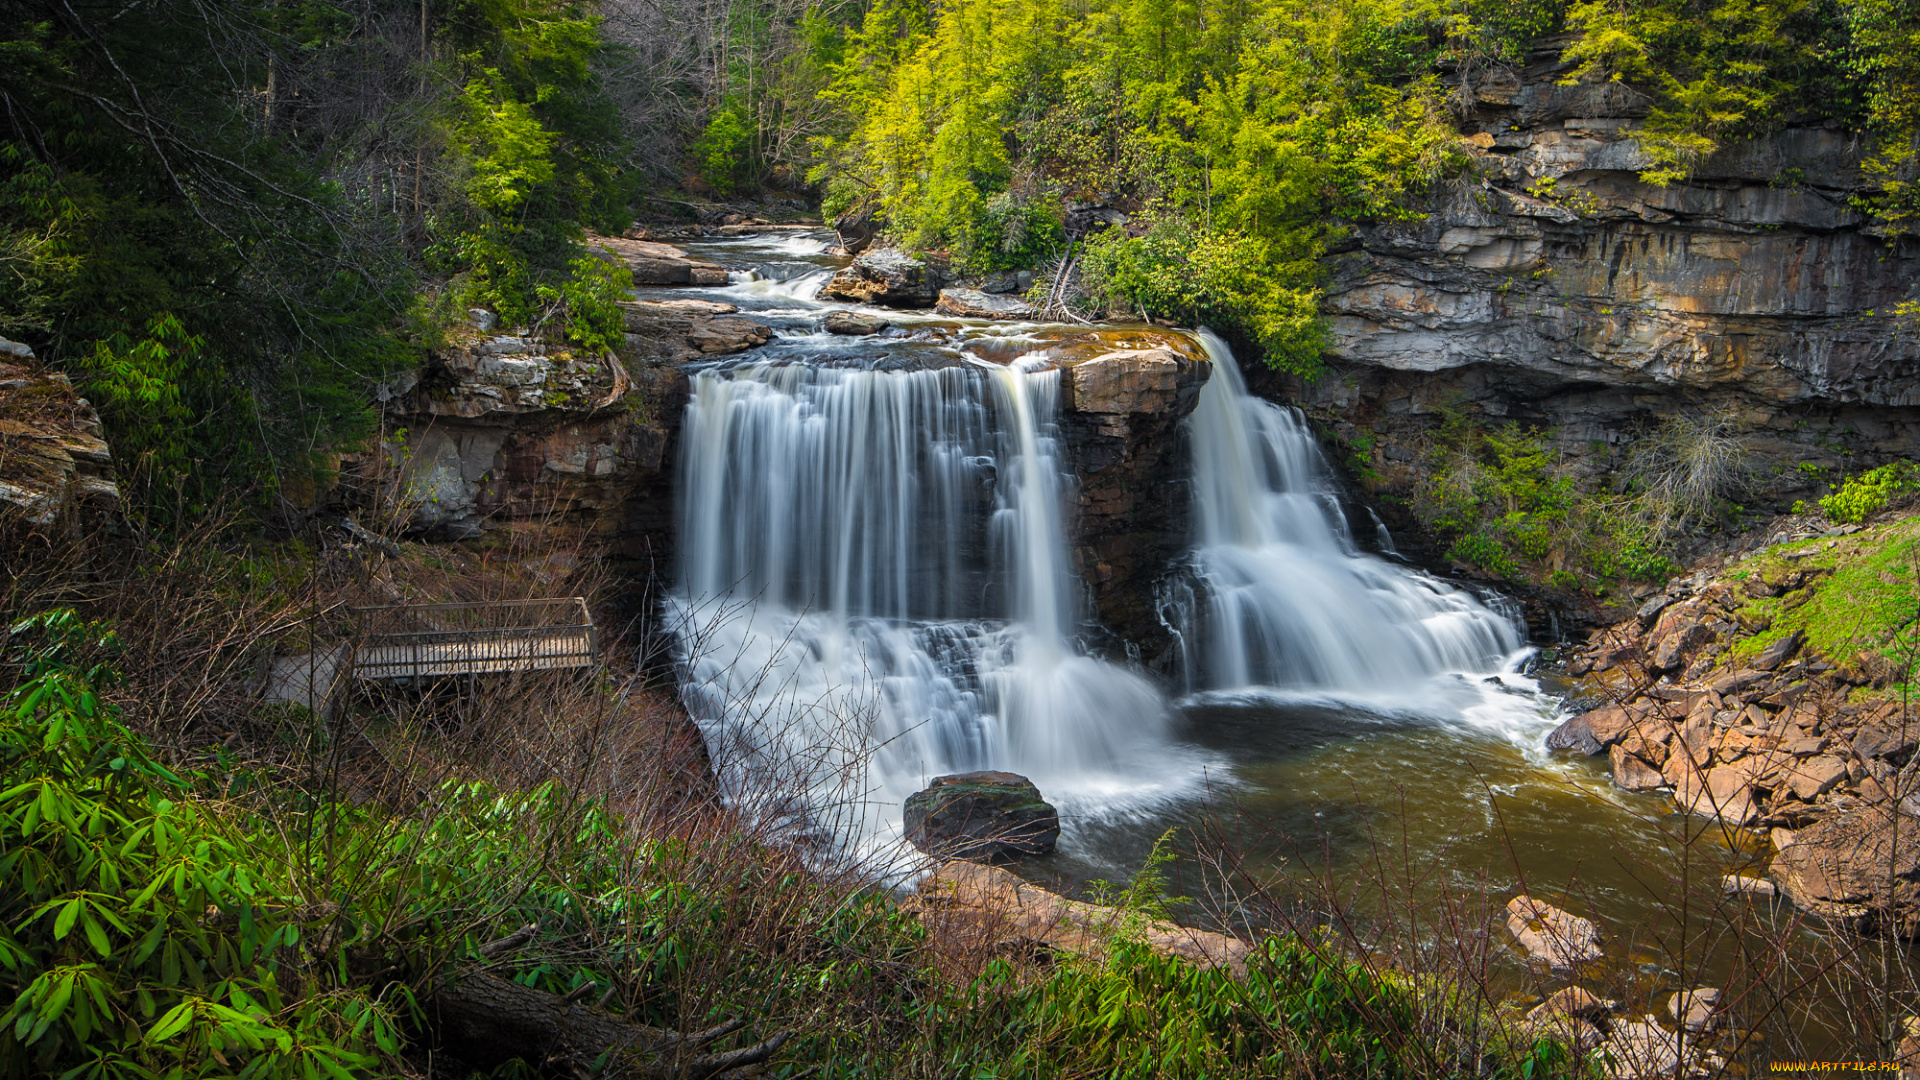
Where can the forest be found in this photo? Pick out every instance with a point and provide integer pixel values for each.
(230, 218)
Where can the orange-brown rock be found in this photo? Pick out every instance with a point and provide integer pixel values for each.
(973, 903)
(53, 452)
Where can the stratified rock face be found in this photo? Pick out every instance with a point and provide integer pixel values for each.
(888, 277)
(1555, 288)
(504, 432)
(981, 815)
(1120, 414)
(52, 451)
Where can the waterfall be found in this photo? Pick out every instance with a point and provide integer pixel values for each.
(876, 590)
(1282, 597)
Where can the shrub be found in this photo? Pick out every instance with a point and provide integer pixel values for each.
(1684, 472)
(1873, 491)
(723, 152)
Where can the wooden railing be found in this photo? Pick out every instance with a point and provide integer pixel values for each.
(413, 641)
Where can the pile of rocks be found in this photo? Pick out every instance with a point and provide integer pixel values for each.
(1775, 739)
(1627, 1048)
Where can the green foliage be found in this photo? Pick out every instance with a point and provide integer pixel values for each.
(536, 142)
(1141, 1014)
(724, 151)
(214, 217)
(1252, 134)
(1872, 491)
(1869, 604)
(1720, 70)
(138, 935)
(1219, 278)
(1500, 499)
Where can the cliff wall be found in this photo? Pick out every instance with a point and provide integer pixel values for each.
(1554, 287)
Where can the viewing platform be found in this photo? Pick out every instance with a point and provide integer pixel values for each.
(413, 641)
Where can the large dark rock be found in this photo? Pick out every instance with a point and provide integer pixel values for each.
(1592, 732)
(981, 816)
(888, 277)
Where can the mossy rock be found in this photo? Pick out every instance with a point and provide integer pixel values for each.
(985, 816)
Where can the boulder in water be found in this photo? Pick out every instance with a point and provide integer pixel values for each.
(975, 304)
(1695, 1010)
(981, 815)
(1560, 938)
(854, 324)
(1592, 732)
(888, 277)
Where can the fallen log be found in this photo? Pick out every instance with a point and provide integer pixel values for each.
(486, 1020)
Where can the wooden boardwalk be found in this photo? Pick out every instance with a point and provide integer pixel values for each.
(416, 641)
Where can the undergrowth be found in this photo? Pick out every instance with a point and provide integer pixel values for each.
(1502, 500)
(197, 885)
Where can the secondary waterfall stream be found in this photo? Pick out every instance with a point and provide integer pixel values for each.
(1283, 601)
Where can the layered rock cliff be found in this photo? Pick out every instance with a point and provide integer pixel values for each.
(1554, 287)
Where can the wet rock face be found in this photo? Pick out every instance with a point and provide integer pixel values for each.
(981, 815)
(1120, 414)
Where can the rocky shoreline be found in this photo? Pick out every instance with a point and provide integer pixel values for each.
(1768, 694)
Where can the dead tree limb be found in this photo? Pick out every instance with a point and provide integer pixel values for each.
(486, 1020)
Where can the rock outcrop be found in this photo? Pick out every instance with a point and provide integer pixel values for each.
(655, 263)
(981, 816)
(976, 304)
(888, 277)
(1554, 287)
(1120, 414)
(501, 431)
(53, 453)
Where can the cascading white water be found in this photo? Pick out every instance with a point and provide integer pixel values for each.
(876, 591)
(1285, 599)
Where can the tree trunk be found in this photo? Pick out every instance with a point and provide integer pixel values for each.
(485, 1020)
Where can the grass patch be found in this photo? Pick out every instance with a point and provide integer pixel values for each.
(1857, 594)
